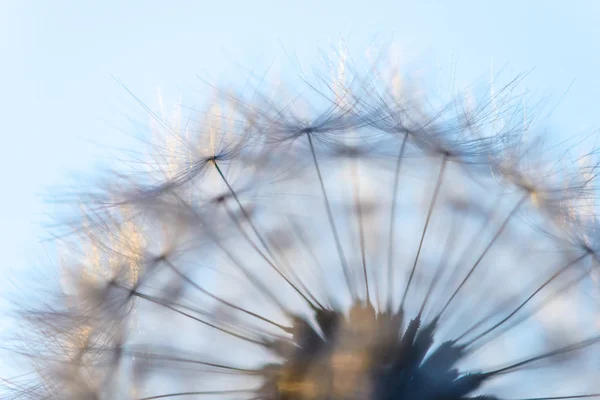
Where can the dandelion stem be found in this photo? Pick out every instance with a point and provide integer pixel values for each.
(273, 266)
(473, 242)
(523, 304)
(262, 241)
(154, 300)
(429, 213)
(314, 259)
(359, 214)
(488, 247)
(447, 248)
(533, 312)
(155, 356)
(392, 231)
(258, 284)
(566, 349)
(220, 300)
(242, 209)
(331, 219)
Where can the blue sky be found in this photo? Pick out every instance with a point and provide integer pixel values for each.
(58, 99)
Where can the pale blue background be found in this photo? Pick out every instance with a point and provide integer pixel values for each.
(57, 97)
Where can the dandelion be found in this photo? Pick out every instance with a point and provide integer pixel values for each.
(381, 248)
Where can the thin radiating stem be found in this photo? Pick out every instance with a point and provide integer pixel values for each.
(577, 346)
(154, 300)
(334, 231)
(220, 300)
(243, 209)
(427, 220)
(391, 245)
(273, 266)
(359, 213)
(257, 283)
(523, 304)
(450, 240)
(579, 278)
(485, 251)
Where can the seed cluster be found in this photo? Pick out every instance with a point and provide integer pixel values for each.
(382, 248)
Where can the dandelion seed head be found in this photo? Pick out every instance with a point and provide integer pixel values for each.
(354, 242)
